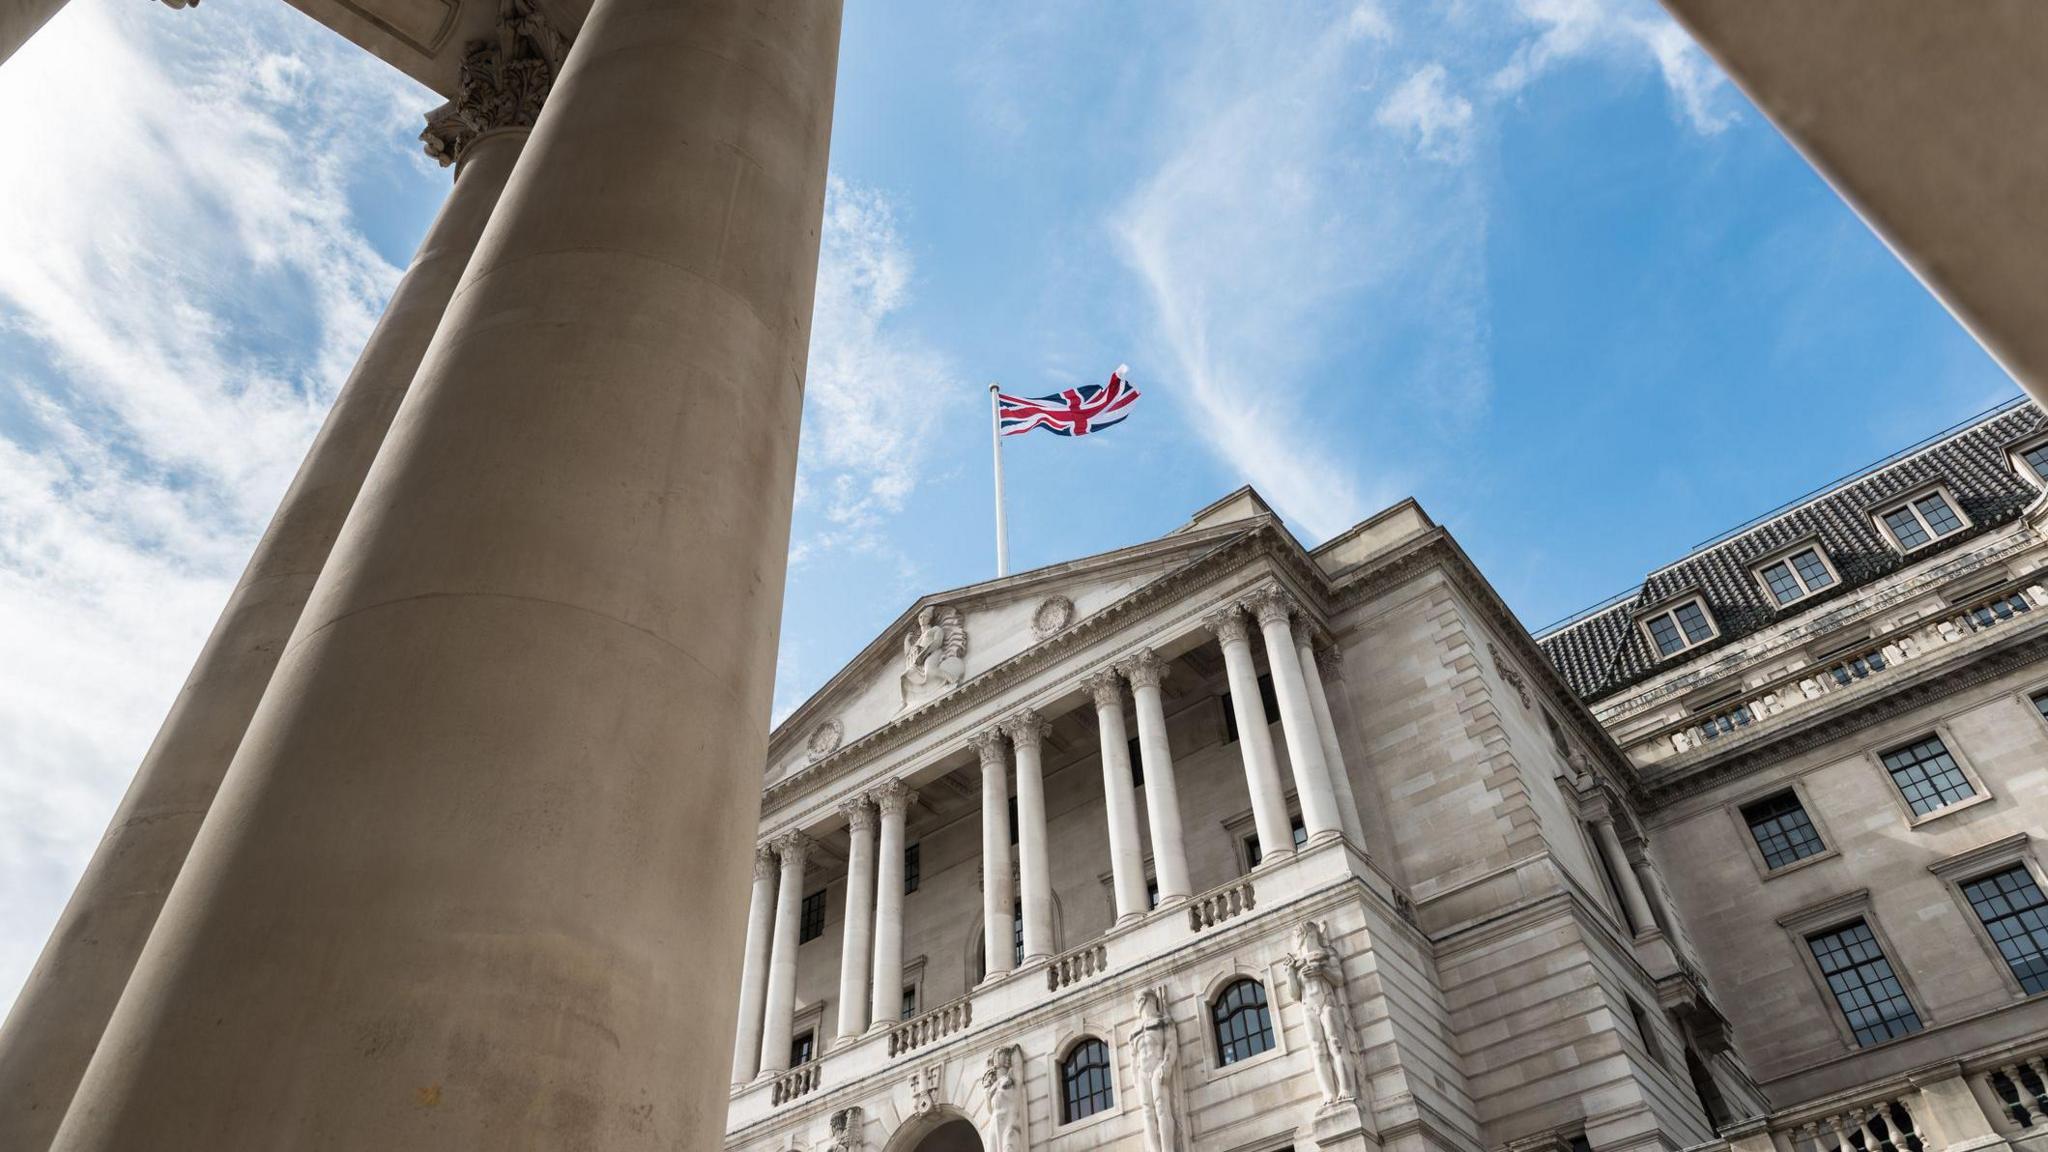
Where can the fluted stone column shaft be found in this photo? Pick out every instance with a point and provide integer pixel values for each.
(857, 942)
(778, 1025)
(1162, 792)
(56, 1022)
(1624, 876)
(1254, 737)
(19, 20)
(1326, 728)
(496, 799)
(997, 902)
(746, 1045)
(1120, 800)
(1297, 718)
(893, 800)
(1034, 868)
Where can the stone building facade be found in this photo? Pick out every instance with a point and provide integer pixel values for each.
(1220, 843)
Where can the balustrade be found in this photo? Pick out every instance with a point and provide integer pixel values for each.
(798, 1081)
(934, 1025)
(1076, 966)
(1883, 1126)
(2021, 1088)
(1219, 904)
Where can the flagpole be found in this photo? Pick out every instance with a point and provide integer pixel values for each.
(995, 429)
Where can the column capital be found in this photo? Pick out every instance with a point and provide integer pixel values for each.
(1107, 686)
(764, 862)
(1026, 729)
(1310, 632)
(1227, 624)
(793, 847)
(1330, 661)
(1271, 605)
(502, 83)
(1144, 669)
(988, 745)
(859, 812)
(894, 798)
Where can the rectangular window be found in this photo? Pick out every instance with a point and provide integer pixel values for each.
(2041, 704)
(1783, 832)
(1922, 519)
(2016, 917)
(811, 924)
(1267, 696)
(1137, 765)
(1906, 527)
(2037, 459)
(1680, 627)
(1927, 776)
(909, 1001)
(1796, 576)
(1013, 819)
(1864, 985)
(802, 1049)
(913, 870)
(1253, 854)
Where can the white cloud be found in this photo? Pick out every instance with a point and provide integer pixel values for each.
(1625, 31)
(1424, 105)
(182, 287)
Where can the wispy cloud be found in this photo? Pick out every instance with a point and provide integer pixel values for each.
(1425, 108)
(182, 287)
(1628, 32)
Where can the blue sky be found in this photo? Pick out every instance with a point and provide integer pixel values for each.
(1532, 261)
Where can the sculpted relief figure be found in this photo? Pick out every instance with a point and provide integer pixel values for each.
(1005, 1088)
(934, 653)
(1315, 974)
(847, 1135)
(1155, 1057)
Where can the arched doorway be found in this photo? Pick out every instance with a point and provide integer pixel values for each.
(952, 1136)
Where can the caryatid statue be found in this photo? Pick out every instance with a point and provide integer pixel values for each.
(1001, 1081)
(1156, 1059)
(1315, 974)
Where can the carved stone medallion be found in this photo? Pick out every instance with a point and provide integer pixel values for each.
(1053, 614)
(825, 739)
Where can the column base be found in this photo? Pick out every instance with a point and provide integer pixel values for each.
(1129, 918)
(1269, 859)
(1342, 1127)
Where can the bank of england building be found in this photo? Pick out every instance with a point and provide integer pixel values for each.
(1218, 842)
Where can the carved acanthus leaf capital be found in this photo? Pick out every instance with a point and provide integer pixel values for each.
(1145, 669)
(1227, 624)
(1330, 661)
(860, 814)
(1271, 606)
(1026, 729)
(894, 798)
(502, 84)
(764, 862)
(988, 744)
(794, 848)
(1107, 687)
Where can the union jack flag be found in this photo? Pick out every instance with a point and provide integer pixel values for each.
(1074, 412)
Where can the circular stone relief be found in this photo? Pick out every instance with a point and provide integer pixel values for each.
(825, 739)
(1054, 613)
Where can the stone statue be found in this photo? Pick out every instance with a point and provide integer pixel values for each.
(1155, 1058)
(1315, 974)
(1005, 1089)
(934, 652)
(847, 1133)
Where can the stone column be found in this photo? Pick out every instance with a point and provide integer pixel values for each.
(1318, 665)
(857, 943)
(1312, 786)
(1034, 872)
(1120, 801)
(1624, 876)
(501, 793)
(19, 20)
(893, 799)
(1146, 671)
(746, 1045)
(779, 1017)
(56, 1022)
(997, 902)
(1254, 738)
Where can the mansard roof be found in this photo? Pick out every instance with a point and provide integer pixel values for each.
(1602, 651)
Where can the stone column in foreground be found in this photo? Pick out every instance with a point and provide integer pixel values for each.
(1120, 801)
(480, 867)
(857, 941)
(1318, 665)
(1146, 671)
(778, 1025)
(746, 1044)
(56, 1023)
(997, 901)
(893, 800)
(1275, 610)
(1254, 737)
(1034, 867)
(19, 20)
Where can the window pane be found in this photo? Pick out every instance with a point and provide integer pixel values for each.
(2041, 704)
(801, 1049)
(1252, 853)
(1906, 527)
(1939, 516)
(1784, 589)
(1665, 633)
(2016, 916)
(1243, 1027)
(1694, 620)
(1084, 1081)
(1928, 776)
(1782, 830)
(1300, 832)
(1866, 990)
(913, 870)
(1812, 570)
(811, 924)
(2037, 459)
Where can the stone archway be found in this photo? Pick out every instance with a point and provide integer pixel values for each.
(952, 1136)
(943, 1129)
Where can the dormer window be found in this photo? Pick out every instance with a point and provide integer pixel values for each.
(1922, 520)
(1680, 626)
(2031, 462)
(1796, 574)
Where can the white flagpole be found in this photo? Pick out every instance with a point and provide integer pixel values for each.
(995, 428)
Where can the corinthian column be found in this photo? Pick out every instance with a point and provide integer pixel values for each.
(1034, 871)
(1120, 802)
(1275, 611)
(1254, 737)
(1146, 671)
(491, 800)
(996, 900)
(746, 1045)
(779, 1017)
(1318, 665)
(893, 799)
(56, 1022)
(856, 944)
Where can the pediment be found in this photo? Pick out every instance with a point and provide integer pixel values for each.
(946, 639)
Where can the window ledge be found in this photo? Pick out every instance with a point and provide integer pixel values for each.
(1802, 862)
(1219, 1071)
(1949, 810)
(1069, 1127)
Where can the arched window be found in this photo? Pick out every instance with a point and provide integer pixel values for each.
(1243, 1027)
(1085, 1081)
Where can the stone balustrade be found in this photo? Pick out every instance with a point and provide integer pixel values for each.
(1219, 904)
(1076, 966)
(1882, 1125)
(798, 1081)
(934, 1025)
(2020, 1086)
